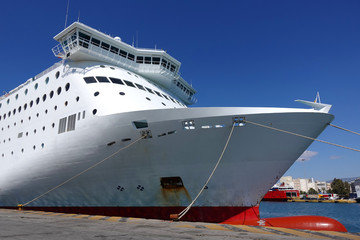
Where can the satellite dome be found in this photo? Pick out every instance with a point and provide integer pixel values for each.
(117, 38)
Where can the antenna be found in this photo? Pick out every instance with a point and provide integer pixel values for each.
(67, 12)
(79, 16)
(137, 39)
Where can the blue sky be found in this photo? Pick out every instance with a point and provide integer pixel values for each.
(235, 53)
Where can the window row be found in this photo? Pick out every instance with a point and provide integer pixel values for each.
(85, 40)
(35, 87)
(102, 79)
(38, 115)
(37, 101)
(23, 150)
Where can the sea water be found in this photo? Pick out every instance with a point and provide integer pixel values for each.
(346, 213)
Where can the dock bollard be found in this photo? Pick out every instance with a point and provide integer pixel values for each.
(174, 217)
(20, 207)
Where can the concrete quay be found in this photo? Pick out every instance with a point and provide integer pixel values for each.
(47, 225)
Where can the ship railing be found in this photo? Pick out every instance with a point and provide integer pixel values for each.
(58, 51)
(6, 94)
(48, 70)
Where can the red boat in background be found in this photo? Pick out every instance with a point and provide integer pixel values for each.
(281, 194)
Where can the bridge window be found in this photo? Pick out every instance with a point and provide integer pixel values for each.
(114, 49)
(123, 53)
(131, 57)
(84, 40)
(163, 63)
(95, 42)
(139, 59)
(156, 60)
(147, 60)
(105, 46)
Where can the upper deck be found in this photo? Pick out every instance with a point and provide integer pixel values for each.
(79, 42)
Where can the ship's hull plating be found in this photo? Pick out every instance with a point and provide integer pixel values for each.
(128, 183)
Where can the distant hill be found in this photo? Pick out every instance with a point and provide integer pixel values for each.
(350, 179)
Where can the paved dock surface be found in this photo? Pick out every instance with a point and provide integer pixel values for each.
(16, 224)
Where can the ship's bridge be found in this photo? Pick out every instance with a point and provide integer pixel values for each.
(80, 42)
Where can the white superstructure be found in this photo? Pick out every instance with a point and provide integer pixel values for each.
(104, 95)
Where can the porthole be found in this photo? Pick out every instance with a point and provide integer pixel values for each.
(9, 114)
(46, 111)
(122, 93)
(163, 104)
(17, 96)
(31, 103)
(26, 91)
(37, 115)
(66, 103)
(42, 145)
(19, 109)
(96, 94)
(47, 80)
(53, 125)
(102, 66)
(8, 101)
(14, 111)
(67, 86)
(0, 105)
(34, 131)
(34, 147)
(94, 111)
(25, 106)
(44, 97)
(29, 118)
(51, 94)
(77, 99)
(112, 68)
(55, 108)
(148, 99)
(37, 101)
(43, 128)
(59, 90)
(27, 134)
(4, 116)
(22, 150)
(57, 74)
(36, 86)
(22, 121)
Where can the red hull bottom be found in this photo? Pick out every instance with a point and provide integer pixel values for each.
(224, 215)
(195, 214)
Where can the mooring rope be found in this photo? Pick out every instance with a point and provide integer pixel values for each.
(183, 212)
(299, 135)
(341, 128)
(79, 174)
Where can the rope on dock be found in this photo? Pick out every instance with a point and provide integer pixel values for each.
(79, 174)
(299, 135)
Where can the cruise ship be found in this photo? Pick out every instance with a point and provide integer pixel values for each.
(108, 130)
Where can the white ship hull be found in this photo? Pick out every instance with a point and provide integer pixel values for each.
(82, 111)
(254, 160)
